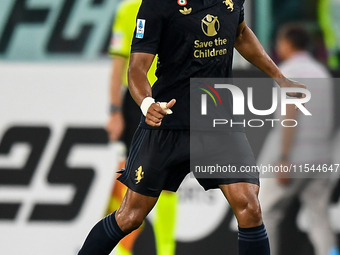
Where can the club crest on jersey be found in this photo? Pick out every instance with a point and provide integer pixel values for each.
(182, 2)
(210, 25)
(140, 27)
(186, 11)
(139, 174)
(230, 4)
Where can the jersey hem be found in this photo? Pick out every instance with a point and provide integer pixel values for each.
(143, 51)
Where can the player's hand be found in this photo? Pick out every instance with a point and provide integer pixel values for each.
(115, 126)
(287, 83)
(283, 177)
(156, 113)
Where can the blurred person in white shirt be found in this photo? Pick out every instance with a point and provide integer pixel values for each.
(308, 142)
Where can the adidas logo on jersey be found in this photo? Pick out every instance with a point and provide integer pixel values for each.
(186, 11)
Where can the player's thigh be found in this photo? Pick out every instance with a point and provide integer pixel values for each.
(240, 194)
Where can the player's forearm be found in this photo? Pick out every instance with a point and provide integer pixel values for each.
(251, 49)
(139, 85)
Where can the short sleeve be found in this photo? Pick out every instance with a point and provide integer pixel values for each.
(122, 30)
(241, 18)
(147, 35)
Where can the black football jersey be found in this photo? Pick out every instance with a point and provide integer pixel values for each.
(193, 38)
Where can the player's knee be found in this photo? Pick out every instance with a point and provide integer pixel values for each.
(254, 211)
(248, 213)
(130, 221)
(134, 222)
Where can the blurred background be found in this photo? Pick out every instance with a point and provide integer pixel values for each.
(57, 164)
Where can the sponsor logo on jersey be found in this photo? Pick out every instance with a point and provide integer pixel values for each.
(182, 2)
(211, 48)
(210, 25)
(140, 28)
(186, 11)
(139, 174)
(230, 4)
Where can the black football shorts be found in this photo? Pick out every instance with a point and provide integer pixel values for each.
(160, 160)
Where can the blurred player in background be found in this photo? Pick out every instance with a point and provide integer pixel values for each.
(309, 142)
(329, 19)
(124, 119)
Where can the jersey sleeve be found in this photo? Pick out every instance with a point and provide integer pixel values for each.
(147, 35)
(122, 32)
(241, 18)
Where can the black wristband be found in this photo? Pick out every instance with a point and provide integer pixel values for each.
(115, 108)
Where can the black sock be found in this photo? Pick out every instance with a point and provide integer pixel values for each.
(253, 241)
(103, 237)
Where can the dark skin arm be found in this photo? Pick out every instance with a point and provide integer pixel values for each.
(251, 49)
(140, 88)
(139, 85)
